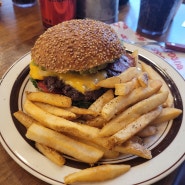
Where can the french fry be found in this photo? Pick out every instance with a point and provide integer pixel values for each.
(98, 122)
(25, 119)
(101, 101)
(51, 154)
(100, 141)
(109, 82)
(154, 75)
(108, 154)
(119, 103)
(135, 55)
(150, 130)
(133, 128)
(63, 144)
(132, 113)
(81, 111)
(97, 174)
(134, 148)
(58, 123)
(52, 99)
(143, 79)
(125, 88)
(136, 58)
(126, 76)
(62, 125)
(167, 114)
(57, 111)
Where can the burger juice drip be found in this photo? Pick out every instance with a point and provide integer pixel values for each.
(56, 11)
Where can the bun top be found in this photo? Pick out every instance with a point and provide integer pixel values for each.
(76, 45)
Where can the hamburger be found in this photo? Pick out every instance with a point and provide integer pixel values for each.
(71, 57)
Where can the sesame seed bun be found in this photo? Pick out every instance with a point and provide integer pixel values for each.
(76, 45)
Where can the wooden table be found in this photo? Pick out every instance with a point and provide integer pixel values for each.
(19, 28)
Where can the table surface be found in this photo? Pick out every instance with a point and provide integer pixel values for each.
(19, 28)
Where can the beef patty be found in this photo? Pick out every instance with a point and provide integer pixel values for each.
(54, 85)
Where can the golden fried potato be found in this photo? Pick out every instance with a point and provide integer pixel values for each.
(132, 113)
(150, 130)
(101, 101)
(119, 103)
(143, 79)
(134, 148)
(98, 122)
(154, 75)
(167, 114)
(51, 154)
(52, 99)
(97, 174)
(81, 111)
(126, 76)
(58, 123)
(25, 119)
(125, 88)
(57, 111)
(133, 128)
(63, 144)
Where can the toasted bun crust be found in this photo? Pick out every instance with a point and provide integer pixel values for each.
(76, 45)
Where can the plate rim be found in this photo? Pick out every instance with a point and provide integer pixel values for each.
(43, 178)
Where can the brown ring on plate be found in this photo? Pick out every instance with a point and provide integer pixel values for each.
(168, 138)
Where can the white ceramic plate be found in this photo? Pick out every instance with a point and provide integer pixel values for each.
(167, 147)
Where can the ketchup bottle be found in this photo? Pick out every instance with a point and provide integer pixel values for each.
(56, 11)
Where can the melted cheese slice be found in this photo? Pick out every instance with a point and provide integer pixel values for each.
(81, 82)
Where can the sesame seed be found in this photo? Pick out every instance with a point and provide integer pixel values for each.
(76, 45)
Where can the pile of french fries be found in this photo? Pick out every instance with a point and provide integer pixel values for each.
(135, 104)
